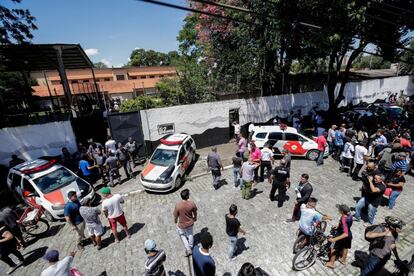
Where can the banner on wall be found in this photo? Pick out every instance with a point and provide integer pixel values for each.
(34, 141)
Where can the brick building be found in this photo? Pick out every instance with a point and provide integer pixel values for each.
(120, 83)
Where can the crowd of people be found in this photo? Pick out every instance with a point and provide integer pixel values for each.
(378, 160)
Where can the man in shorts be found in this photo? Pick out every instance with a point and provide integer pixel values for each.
(111, 207)
(93, 223)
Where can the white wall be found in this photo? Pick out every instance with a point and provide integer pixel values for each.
(33, 141)
(197, 118)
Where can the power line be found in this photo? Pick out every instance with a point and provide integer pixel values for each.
(248, 22)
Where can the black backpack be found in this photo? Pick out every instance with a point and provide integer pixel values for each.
(375, 242)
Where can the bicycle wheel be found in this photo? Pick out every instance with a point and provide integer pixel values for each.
(299, 243)
(38, 229)
(304, 259)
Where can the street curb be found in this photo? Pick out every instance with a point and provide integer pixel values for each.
(140, 191)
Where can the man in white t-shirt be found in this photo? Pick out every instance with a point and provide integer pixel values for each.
(266, 162)
(251, 127)
(348, 156)
(110, 145)
(309, 217)
(237, 128)
(111, 207)
(361, 154)
(57, 268)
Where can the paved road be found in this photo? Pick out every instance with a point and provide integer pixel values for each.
(268, 242)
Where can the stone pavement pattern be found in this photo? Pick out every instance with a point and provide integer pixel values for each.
(269, 239)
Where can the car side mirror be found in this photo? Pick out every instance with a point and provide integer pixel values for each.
(180, 162)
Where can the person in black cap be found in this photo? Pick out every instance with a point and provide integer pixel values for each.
(56, 267)
(342, 242)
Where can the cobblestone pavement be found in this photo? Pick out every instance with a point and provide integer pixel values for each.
(268, 242)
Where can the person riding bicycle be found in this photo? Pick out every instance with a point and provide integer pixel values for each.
(382, 241)
(310, 218)
(342, 239)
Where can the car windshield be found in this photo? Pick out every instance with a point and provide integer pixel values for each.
(54, 180)
(164, 157)
(394, 110)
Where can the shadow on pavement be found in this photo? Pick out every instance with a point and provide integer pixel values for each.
(176, 273)
(34, 255)
(52, 231)
(241, 246)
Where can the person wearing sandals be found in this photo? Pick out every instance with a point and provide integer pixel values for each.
(341, 243)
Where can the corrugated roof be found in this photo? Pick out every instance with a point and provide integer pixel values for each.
(40, 57)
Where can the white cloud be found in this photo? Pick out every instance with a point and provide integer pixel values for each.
(91, 52)
(107, 62)
(119, 65)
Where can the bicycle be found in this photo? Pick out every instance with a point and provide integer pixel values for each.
(31, 221)
(318, 248)
(302, 239)
(403, 267)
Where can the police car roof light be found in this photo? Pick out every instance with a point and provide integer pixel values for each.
(40, 168)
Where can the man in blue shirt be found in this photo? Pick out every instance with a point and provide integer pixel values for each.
(203, 263)
(400, 163)
(338, 143)
(86, 168)
(73, 217)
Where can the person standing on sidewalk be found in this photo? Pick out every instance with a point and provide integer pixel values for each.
(73, 217)
(255, 156)
(241, 146)
(203, 263)
(232, 230)
(247, 173)
(215, 166)
(112, 209)
(56, 267)
(303, 191)
(287, 157)
(372, 198)
(280, 181)
(361, 155)
(9, 217)
(266, 162)
(237, 163)
(93, 223)
(185, 214)
(154, 265)
(111, 164)
(8, 245)
(331, 138)
(321, 140)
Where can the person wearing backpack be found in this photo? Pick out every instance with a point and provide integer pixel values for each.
(372, 198)
(382, 242)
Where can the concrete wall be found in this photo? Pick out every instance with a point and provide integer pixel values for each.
(33, 141)
(209, 122)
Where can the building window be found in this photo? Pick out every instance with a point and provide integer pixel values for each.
(85, 81)
(74, 81)
(161, 76)
(107, 79)
(133, 78)
(120, 77)
(143, 77)
(151, 77)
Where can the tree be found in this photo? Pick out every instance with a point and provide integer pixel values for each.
(370, 62)
(16, 25)
(100, 65)
(142, 57)
(407, 67)
(139, 103)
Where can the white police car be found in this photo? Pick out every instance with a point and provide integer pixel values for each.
(47, 183)
(169, 163)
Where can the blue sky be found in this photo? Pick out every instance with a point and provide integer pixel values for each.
(107, 29)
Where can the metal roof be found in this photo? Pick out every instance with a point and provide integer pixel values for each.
(42, 57)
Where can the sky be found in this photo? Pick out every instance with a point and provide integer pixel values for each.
(108, 30)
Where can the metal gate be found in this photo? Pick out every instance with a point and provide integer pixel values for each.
(128, 124)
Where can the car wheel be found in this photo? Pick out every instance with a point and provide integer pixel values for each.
(312, 155)
(177, 182)
(49, 216)
(193, 159)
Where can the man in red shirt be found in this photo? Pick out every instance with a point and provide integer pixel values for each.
(185, 214)
(255, 156)
(321, 140)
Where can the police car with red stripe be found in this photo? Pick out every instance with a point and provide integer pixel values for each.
(284, 137)
(169, 163)
(47, 183)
